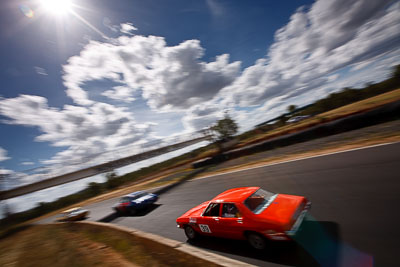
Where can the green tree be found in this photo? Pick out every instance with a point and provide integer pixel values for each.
(282, 121)
(224, 129)
(7, 212)
(291, 108)
(94, 188)
(112, 180)
(396, 72)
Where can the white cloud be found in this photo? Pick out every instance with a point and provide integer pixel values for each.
(40, 71)
(121, 93)
(193, 121)
(216, 7)
(302, 64)
(5, 171)
(315, 44)
(85, 130)
(128, 28)
(168, 77)
(306, 54)
(108, 24)
(27, 163)
(3, 154)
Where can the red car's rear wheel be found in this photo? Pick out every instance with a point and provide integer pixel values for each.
(256, 241)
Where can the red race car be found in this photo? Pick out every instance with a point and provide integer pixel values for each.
(247, 213)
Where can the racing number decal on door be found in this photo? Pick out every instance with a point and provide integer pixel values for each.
(204, 228)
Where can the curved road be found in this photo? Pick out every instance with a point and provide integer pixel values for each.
(354, 220)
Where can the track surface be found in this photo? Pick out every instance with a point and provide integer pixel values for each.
(354, 220)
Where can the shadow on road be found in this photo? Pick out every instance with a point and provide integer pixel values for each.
(111, 217)
(146, 211)
(313, 252)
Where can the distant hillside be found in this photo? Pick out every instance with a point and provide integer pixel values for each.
(350, 95)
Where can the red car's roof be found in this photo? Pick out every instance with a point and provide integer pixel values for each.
(235, 194)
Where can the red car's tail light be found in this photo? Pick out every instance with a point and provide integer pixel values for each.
(299, 219)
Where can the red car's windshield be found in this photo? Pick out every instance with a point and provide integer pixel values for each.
(259, 200)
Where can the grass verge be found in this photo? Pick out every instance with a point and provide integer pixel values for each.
(73, 244)
(338, 113)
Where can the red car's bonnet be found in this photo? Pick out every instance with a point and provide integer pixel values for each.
(196, 211)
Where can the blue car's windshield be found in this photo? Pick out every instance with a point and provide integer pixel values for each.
(259, 200)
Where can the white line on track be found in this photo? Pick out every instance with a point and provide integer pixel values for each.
(292, 160)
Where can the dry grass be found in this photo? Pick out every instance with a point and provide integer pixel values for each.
(51, 246)
(72, 244)
(351, 109)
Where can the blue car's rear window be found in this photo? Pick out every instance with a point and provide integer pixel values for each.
(132, 196)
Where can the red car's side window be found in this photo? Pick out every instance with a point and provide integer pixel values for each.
(229, 210)
(212, 210)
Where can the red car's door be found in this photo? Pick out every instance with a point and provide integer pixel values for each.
(208, 223)
(231, 222)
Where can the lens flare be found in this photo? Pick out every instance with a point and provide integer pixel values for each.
(321, 240)
(27, 11)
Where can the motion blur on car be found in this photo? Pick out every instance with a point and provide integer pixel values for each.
(74, 214)
(132, 203)
(247, 213)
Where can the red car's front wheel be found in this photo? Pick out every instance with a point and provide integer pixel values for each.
(190, 232)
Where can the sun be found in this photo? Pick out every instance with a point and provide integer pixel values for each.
(57, 7)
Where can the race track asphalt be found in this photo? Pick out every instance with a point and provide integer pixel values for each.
(354, 219)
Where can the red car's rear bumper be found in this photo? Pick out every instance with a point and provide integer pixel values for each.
(299, 220)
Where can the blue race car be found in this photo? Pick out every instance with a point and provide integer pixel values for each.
(133, 202)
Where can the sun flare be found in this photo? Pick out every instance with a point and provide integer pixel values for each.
(57, 7)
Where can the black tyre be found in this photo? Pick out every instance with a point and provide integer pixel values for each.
(132, 212)
(257, 241)
(117, 212)
(190, 232)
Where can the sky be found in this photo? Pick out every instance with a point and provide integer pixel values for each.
(93, 77)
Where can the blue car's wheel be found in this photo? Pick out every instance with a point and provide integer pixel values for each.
(132, 211)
